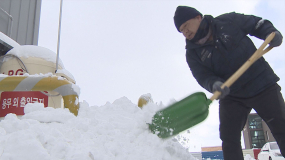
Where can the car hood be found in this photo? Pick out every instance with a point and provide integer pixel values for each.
(275, 151)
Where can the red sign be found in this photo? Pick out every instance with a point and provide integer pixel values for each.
(14, 102)
(255, 152)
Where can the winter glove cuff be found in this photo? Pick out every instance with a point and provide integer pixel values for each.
(277, 40)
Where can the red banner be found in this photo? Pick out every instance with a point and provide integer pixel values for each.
(14, 102)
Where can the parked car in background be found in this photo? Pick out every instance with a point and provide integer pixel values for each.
(270, 151)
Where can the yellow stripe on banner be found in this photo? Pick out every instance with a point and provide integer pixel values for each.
(71, 100)
(10, 83)
(49, 84)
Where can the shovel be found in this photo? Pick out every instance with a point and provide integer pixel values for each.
(194, 109)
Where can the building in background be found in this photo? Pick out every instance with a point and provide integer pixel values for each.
(20, 19)
(256, 132)
(214, 153)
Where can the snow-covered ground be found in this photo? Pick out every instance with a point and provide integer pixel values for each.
(116, 130)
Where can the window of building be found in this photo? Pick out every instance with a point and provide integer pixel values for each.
(254, 122)
(257, 138)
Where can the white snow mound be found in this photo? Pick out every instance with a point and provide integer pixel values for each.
(115, 130)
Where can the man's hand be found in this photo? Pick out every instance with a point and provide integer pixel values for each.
(217, 87)
(277, 40)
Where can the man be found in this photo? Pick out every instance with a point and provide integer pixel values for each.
(216, 48)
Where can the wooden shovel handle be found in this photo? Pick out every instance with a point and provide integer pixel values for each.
(257, 54)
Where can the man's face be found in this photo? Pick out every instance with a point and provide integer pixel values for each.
(190, 27)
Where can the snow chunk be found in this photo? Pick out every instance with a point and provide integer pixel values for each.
(36, 111)
(31, 107)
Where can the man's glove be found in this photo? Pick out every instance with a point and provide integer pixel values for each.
(277, 40)
(217, 87)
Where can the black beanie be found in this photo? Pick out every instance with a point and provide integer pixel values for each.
(183, 14)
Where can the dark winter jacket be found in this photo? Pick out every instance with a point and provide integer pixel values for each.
(231, 48)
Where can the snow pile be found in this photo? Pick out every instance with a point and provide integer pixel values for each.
(116, 130)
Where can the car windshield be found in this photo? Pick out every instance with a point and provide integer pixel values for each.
(274, 146)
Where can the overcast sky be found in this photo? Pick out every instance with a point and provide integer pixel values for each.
(129, 48)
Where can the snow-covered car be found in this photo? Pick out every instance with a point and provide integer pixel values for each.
(270, 151)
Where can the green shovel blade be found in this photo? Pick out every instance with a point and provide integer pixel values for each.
(181, 115)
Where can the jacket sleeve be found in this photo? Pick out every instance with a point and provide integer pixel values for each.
(203, 75)
(250, 24)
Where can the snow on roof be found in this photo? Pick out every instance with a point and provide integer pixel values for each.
(27, 51)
